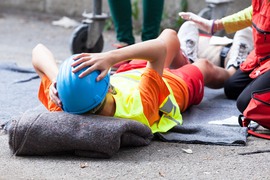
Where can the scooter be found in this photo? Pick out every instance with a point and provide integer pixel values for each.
(88, 37)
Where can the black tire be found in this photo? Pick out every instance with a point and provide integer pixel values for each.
(79, 39)
(206, 13)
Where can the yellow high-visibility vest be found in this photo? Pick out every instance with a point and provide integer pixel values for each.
(129, 104)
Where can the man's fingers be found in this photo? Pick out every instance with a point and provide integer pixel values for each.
(187, 15)
(184, 15)
(85, 72)
(102, 75)
(81, 61)
(80, 55)
(53, 93)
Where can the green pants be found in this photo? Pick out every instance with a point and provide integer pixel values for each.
(121, 12)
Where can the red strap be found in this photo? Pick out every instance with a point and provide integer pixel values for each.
(264, 136)
(245, 123)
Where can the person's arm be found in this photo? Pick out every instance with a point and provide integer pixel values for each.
(237, 21)
(230, 23)
(45, 65)
(44, 62)
(154, 51)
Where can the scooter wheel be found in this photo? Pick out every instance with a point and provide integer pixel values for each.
(79, 40)
(206, 13)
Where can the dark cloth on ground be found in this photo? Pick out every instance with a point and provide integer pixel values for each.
(19, 94)
(45, 133)
(198, 127)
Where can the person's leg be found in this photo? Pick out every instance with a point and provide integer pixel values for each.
(194, 81)
(175, 57)
(236, 84)
(235, 80)
(214, 76)
(178, 61)
(121, 14)
(152, 14)
(262, 82)
(44, 62)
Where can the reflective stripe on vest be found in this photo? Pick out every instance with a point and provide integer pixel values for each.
(171, 113)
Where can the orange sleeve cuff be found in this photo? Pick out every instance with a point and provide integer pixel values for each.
(44, 97)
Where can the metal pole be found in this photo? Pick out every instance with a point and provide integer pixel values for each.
(97, 7)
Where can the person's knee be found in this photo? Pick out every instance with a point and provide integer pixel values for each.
(213, 77)
(170, 37)
(205, 66)
(205, 63)
(169, 32)
(242, 102)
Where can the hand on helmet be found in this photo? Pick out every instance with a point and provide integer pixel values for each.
(202, 23)
(54, 94)
(92, 62)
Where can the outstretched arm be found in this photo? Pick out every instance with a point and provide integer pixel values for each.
(156, 52)
(209, 26)
(230, 23)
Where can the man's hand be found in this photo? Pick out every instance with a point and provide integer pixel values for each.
(92, 62)
(54, 94)
(202, 23)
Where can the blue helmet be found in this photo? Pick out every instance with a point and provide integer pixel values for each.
(79, 95)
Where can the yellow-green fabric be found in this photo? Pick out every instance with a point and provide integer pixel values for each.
(129, 104)
(237, 21)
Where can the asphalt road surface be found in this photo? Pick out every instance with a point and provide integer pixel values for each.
(20, 32)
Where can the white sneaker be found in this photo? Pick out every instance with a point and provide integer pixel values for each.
(241, 47)
(188, 36)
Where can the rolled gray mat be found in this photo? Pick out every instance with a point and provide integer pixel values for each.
(47, 133)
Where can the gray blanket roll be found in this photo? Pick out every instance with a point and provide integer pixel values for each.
(94, 136)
